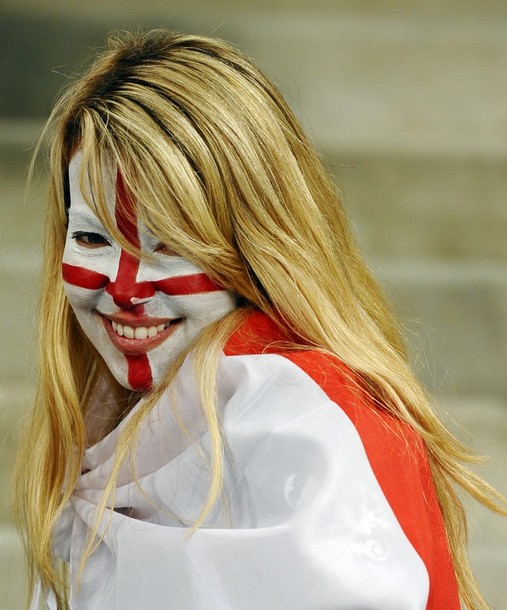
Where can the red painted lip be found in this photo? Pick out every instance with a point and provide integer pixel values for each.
(132, 319)
(138, 347)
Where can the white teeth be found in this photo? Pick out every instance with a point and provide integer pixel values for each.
(118, 328)
(128, 332)
(139, 332)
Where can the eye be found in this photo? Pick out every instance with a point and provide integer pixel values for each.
(164, 249)
(90, 240)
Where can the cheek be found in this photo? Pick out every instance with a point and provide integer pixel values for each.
(90, 269)
(81, 299)
(205, 307)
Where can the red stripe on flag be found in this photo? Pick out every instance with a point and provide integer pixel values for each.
(84, 278)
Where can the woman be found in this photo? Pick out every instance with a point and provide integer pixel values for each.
(225, 415)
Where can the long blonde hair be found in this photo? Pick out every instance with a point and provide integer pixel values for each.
(225, 176)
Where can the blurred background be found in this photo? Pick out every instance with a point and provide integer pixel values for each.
(406, 100)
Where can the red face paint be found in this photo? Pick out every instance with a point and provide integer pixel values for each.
(84, 278)
(126, 286)
(186, 284)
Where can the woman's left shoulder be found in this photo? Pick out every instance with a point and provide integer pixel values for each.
(307, 435)
(259, 360)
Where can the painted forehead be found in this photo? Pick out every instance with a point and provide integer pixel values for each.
(119, 201)
(80, 188)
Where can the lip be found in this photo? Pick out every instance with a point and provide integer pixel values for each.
(138, 347)
(132, 319)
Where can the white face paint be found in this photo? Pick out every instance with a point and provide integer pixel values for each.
(140, 315)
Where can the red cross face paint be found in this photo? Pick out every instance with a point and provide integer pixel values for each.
(140, 315)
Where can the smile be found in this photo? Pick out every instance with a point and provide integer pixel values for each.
(139, 338)
(138, 332)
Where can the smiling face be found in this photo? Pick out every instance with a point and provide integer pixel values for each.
(139, 314)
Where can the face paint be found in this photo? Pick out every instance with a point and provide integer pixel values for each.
(139, 314)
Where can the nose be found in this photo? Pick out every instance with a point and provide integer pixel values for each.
(126, 291)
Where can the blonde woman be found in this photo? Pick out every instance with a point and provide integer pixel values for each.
(225, 416)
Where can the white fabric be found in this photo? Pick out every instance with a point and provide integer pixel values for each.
(310, 528)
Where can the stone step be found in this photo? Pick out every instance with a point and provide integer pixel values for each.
(455, 316)
(425, 206)
(21, 232)
(481, 422)
(220, 14)
(18, 137)
(15, 400)
(20, 260)
(13, 587)
(401, 80)
(18, 279)
(391, 84)
(232, 9)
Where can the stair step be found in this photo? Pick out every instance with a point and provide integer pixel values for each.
(15, 400)
(425, 206)
(13, 587)
(425, 82)
(481, 422)
(456, 320)
(368, 9)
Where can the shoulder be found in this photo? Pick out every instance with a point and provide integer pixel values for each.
(260, 359)
(313, 406)
(272, 387)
